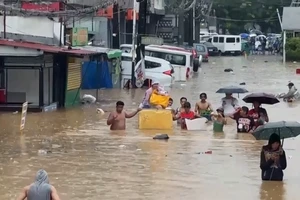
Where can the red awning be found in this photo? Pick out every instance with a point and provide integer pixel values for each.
(47, 48)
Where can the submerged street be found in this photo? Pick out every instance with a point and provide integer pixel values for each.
(86, 161)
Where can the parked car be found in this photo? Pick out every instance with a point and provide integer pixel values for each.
(227, 44)
(155, 69)
(212, 50)
(197, 60)
(180, 58)
(202, 50)
(126, 48)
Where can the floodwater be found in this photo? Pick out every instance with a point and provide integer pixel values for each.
(89, 162)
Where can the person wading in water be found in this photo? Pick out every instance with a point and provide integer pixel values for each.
(117, 119)
(203, 107)
(40, 189)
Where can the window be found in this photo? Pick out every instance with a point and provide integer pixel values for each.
(221, 39)
(125, 58)
(191, 61)
(126, 49)
(209, 40)
(230, 40)
(238, 40)
(151, 65)
(215, 39)
(200, 48)
(174, 59)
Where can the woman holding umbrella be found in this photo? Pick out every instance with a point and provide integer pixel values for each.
(260, 114)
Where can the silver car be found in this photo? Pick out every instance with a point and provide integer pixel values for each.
(202, 50)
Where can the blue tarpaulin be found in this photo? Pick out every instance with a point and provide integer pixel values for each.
(96, 75)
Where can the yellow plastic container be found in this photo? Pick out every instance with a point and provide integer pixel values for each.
(152, 119)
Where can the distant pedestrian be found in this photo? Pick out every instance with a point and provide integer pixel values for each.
(257, 46)
(40, 189)
(247, 49)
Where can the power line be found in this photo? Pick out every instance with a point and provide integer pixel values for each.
(246, 20)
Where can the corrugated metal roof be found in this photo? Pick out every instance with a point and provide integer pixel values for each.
(290, 18)
(48, 48)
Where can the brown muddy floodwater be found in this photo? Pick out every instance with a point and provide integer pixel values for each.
(91, 163)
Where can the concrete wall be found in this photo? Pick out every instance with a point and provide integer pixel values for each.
(33, 26)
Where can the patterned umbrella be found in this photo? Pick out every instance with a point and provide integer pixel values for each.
(262, 98)
(283, 128)
(232, 90)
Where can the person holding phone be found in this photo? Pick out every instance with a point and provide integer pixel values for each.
(272, 160)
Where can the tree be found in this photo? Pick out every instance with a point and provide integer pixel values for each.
(237, 15)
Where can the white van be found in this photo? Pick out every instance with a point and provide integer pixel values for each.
(231, 44)
(155, 69)
(181, 60)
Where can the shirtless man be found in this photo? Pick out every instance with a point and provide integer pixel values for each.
(203, 107)
(40, 189)
(117, 119)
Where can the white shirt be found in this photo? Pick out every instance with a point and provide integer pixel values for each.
(229, 105)
(257, 44)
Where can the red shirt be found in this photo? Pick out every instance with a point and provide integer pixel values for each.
(186, 115)
(256, 115)
(189, 115)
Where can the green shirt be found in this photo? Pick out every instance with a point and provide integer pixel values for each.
(218, 126)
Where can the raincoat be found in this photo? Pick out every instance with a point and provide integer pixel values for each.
(272, 170)
(40, 189)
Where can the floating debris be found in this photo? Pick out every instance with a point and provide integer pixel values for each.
(228, 70)
(100, 111)
(161, 137)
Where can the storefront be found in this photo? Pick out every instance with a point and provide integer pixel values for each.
(104, 72)
(47, 77)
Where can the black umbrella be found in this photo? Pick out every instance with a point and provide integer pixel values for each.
(262, 98)
(285, 129)
(232, 90)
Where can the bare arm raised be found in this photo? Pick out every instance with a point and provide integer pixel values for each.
(130, 115)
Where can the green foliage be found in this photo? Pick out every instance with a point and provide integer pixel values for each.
(241, 12)
(292, 48)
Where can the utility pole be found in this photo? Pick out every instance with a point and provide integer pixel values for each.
(133, 46)
(181, 27)
(191, 27)
(119, 23)
(4, 24)
(115, 27)
(141, 29)
(194, 23)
